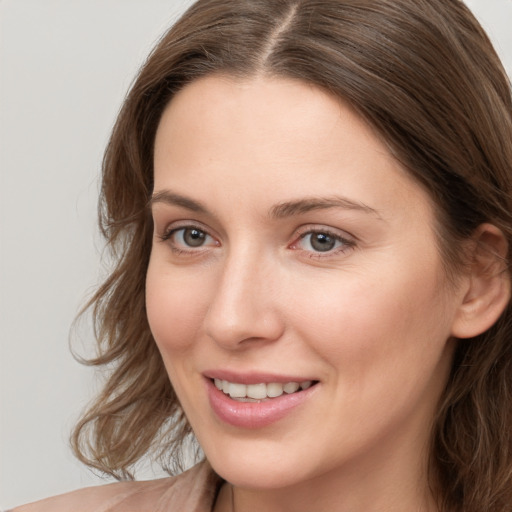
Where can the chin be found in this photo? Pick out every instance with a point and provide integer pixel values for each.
(259, 476)
(261, 466)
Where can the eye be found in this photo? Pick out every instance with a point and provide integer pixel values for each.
(191, 237)
(322, 241)
(188, 237)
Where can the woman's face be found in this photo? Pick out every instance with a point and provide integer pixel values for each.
(294, 265)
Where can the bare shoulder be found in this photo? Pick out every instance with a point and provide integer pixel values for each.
(103, 498)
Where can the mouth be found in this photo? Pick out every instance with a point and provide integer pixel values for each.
(261, 391)
(255, 400)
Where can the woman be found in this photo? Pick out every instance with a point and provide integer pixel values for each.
(310, 203)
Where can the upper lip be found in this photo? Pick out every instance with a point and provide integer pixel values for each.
(254, 377)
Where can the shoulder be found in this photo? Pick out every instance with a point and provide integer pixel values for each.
(198, 484)
(100, 498)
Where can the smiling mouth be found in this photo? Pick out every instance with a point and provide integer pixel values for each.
(260, 392)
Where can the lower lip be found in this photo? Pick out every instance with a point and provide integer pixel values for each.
(253, 415)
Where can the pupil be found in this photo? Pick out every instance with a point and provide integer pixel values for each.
(322, 242)
(194, 237)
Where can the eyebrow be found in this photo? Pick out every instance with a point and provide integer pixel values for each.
(308, 204)
(278, 211)
(167, 197)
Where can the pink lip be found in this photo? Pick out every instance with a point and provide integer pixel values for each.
(252, 415)
(253, 377)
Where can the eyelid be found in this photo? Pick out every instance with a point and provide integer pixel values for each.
(322, 228)
(183, 224)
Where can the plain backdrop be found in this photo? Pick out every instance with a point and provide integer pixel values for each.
(64, 69)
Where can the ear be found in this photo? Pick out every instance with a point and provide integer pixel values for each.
(487, 285)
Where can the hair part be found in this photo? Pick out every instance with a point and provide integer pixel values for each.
(425, 76)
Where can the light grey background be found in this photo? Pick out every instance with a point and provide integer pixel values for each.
(64, 69)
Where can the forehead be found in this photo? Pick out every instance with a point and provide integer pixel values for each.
(276, 136)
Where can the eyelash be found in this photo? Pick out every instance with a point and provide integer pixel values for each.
(345, 243)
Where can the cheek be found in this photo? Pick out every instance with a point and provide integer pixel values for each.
(384, 349)
(175, 308)
(374, 320)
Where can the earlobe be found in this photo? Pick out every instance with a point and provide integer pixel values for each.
(487, 290)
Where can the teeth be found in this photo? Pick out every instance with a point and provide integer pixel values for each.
(291, 387)
(259, 391)
(274, 389)
(237, 390)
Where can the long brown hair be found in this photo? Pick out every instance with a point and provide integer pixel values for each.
(421, 72)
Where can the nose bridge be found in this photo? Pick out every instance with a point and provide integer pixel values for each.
(243, 306)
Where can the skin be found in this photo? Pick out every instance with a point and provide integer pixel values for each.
(371, 320)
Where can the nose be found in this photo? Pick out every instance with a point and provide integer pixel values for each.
(245, 309)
